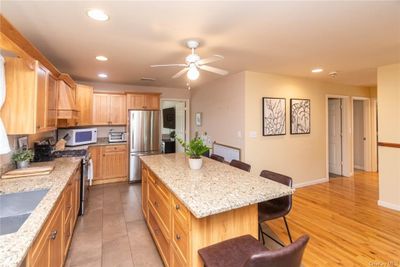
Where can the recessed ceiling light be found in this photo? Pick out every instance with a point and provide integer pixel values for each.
(97, 14)
(101, 58)
(317, 70)
(102, 75)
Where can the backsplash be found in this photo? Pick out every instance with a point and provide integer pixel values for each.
(103, 131)
(6, 163)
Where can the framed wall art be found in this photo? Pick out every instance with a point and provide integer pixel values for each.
(300, 116)
(198, 118)
(274, 116)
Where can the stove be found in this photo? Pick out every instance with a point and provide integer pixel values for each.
(71, 153)
(86, 164)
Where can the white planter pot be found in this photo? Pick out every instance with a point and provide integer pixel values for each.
(195, 164)
(22, 164)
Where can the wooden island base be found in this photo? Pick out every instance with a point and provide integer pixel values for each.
(178, 234)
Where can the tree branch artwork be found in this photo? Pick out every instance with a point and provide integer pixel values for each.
(300, 116)
(274, 116)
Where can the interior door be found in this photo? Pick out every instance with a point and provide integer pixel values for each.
(335, 138)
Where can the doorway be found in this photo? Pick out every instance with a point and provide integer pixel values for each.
(335, 137)
(178, 125)
(363, 135)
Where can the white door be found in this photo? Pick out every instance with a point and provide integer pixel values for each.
(180, 122)
(335, 140)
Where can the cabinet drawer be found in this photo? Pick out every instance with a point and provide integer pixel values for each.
(164, 192)
(68, 200)
(119, 148)
(180, 239)
(161, 207)
(162, 242)
(180, 211)
(176, 260)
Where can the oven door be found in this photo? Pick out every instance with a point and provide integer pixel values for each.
(84, 186)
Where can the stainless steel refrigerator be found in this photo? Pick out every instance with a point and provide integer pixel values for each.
(144, 139)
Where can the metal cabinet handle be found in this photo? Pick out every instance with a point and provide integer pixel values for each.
(177, 206)
(178, 237)
(53, 235)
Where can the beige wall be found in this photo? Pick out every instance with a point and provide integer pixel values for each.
(302, 157)
(222, 105)
(389, 131)
(173, 93)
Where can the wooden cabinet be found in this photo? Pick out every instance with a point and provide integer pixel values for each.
(109, 109)
(26, 109)
(143, 101)
(84, 104)
(145, 189)
(110, 163)
(66, 109)
(50, 248)
(52, 99)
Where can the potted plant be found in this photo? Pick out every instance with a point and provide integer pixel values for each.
(22, 158)
(194, 149)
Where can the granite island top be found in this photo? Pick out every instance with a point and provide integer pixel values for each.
(215, 188)
(15, 246)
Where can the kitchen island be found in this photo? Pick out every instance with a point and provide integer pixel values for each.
(189, 209)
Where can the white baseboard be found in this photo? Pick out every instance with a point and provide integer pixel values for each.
(312, 182)
(388, 205)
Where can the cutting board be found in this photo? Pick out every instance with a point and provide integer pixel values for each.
(30, 171)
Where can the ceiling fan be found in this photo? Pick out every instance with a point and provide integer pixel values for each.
(194, 63)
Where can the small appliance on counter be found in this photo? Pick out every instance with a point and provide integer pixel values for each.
(78, 137)
(43, 151)
(168, 146)
(116, 137)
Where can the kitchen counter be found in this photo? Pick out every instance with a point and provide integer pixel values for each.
(15, 246)
(215, 188)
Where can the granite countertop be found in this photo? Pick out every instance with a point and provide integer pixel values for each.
(215, 188)
(15, 246)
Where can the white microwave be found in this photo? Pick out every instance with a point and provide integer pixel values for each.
(78, 137)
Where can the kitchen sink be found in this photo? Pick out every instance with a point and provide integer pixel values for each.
(15, 208)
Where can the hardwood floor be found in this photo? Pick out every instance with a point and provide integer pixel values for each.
(346, 226)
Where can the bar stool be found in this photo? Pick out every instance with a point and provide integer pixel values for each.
(246, 251)
(275, 208)
(241, 165)
(217, 157)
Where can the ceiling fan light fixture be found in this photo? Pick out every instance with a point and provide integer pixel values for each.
(193, 73)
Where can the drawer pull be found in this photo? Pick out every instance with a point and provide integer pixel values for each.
(177, 207)
(53, 235)
(178, 237)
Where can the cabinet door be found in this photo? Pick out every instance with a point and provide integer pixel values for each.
(101, 109)
(144, 192)
(135, 101)
(41, 99)
(114, 164)
(56, 240)
(84, 103)
(43, 257)
(118, 109)
(152, 102)
(96, 159)
(52, 97)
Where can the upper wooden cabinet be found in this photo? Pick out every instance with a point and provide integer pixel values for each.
(143, 101)
(52, 99)
(109, 109)
(84, 103)
(29, 104)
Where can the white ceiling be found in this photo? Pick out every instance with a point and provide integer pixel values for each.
(289, 38)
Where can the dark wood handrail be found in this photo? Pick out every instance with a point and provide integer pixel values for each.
(396, 145)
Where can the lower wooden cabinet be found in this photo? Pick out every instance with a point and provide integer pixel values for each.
(110, 163)
(51, 246)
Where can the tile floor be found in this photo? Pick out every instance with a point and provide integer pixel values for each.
(113, 231)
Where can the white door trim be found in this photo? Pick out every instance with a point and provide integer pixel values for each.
(187, 104)
(346, 135)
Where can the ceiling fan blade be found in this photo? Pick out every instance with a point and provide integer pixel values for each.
(214, 70)
(213, 58)
(168, 65)
(180, 73)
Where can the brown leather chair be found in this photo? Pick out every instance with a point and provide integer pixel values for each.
(246, 251)
(217, 157)
(275, 208)
(241, 165)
